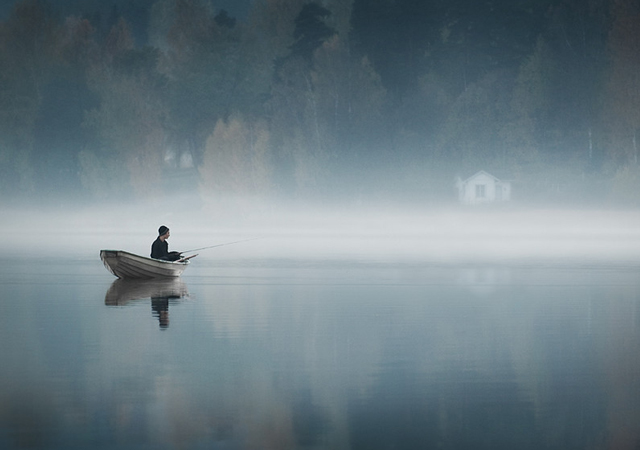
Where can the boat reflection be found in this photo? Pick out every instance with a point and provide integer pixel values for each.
(124, 292)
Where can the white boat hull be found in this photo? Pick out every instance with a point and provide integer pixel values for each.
(128, 265)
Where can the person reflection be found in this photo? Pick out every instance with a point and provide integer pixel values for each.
(160, 309)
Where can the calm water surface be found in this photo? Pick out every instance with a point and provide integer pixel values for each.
(320, 354)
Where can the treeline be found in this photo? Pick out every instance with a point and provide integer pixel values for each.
(357, 99)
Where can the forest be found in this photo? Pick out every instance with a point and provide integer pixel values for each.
(338, 100)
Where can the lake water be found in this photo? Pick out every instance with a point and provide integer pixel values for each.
(322, 353)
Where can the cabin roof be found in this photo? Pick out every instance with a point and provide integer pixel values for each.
(481, 172)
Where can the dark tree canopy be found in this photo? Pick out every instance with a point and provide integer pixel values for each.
(416, 91)
(310, 30)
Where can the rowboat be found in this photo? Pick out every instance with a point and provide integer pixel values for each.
(128, 265)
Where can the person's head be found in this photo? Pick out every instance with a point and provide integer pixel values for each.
(163, 232)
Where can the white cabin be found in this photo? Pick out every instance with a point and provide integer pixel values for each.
(482, 187)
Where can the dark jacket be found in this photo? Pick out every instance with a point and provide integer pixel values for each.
(160, 250)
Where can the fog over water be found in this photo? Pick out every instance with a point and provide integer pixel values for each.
(385, 234)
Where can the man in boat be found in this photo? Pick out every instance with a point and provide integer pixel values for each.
(160, 247)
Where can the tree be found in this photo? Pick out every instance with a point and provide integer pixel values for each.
(129, 121)
(575, 37)
(294, 104)
(350, 102)
(236, 160)
(58, 133)
(396, 37)
(27, 51)
(520, 137)
(310, 31)
(296, 127)
(623, 89)
(473, 125)
(274, 23)
(213, 70)
(340, 18)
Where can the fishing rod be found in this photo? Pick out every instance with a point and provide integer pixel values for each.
(220, 245)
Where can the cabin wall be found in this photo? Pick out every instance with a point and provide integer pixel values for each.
(483, 188)
(479, 189)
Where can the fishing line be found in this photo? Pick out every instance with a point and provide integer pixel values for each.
(220, 245)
